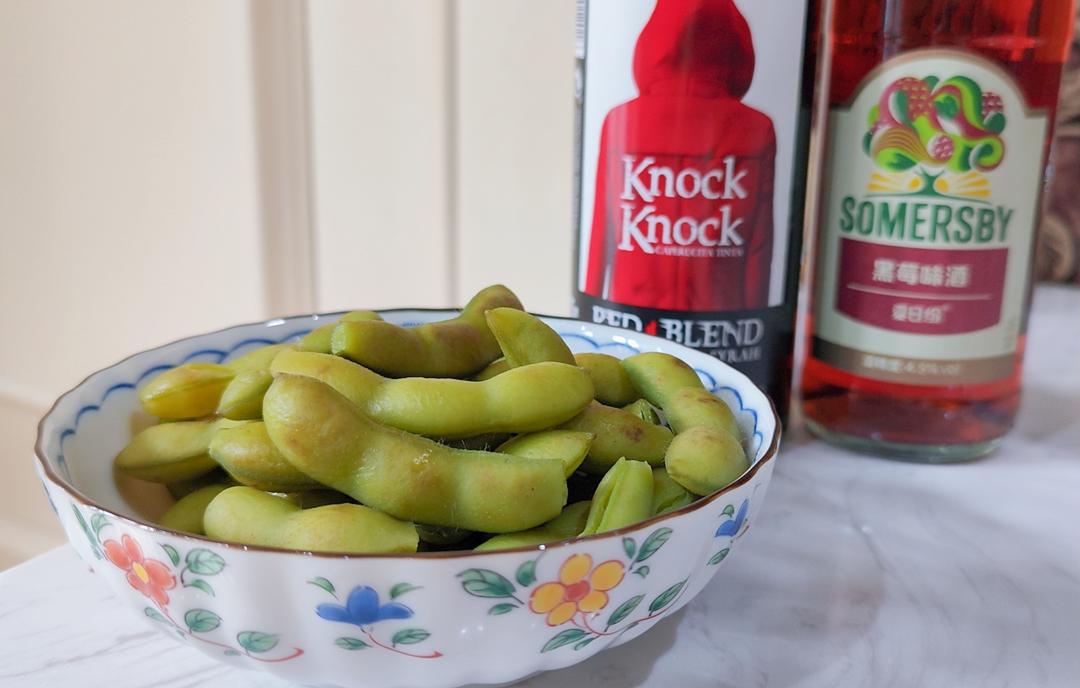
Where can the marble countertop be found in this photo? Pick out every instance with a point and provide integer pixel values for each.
(859, 572)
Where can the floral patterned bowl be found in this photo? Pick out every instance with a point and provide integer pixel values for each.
(431, 620)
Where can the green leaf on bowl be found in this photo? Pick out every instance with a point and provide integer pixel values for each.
(667, 597)
(201, 585)
(728, 511)
(409, 636)
(402, 588)
(155, 615)
(654, 542)
(485, 583)
(201, 620)
(526, 574)
(347, 643)
(326, 585)
(585, 642)
(570, 635)
(174, 556)
(719, 556)
(642, 571)
(502, 608)
(256, 641)
(629, 546)
(97, 522)
(624, 610)
(89, 535)
(204, 562)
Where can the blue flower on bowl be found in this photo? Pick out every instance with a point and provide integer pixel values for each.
(362, 608)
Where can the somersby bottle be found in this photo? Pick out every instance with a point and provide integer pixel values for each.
(939, 122)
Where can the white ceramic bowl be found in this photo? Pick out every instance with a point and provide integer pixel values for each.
(429, 620)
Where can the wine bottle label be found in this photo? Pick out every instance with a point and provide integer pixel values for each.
(932, 180)
(690, 165)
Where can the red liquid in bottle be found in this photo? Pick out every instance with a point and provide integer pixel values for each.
(917, 337)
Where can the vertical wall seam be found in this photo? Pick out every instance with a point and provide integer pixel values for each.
(308, 144)
(453, 185)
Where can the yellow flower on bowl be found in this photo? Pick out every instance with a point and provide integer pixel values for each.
(580, 588)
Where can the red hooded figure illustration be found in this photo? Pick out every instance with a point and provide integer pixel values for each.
(683, 214)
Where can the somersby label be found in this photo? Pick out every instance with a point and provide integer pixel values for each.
(929, 214)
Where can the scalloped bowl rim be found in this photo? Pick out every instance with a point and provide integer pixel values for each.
(77, 495)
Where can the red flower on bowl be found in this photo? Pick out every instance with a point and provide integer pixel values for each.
(149, 576)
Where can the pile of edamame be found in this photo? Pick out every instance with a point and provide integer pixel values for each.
(472, 432)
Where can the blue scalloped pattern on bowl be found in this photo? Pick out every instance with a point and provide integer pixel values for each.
(219, 355)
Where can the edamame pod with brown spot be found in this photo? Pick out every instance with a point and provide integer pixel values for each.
(616, 434)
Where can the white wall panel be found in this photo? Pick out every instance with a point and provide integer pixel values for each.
(514, 147)
(380, 131)
(128, 212)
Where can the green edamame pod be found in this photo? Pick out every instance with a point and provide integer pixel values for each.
(458, 347)
(496, 367)
(618, 433)
(247, 454)
(676, 388)
(526, 339)
(705, 459)
(318, 340)
(187, 391)
(623, 497)
(567, 446)
(613, 385)
(326, 437)
(520, 400)
(242, 399)
(643, 410)
(187, 514)
(668, 495)
(170, 452)
(568, 524)
(249, 516)
(692, 407)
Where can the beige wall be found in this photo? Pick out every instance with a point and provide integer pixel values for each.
(171, 167)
